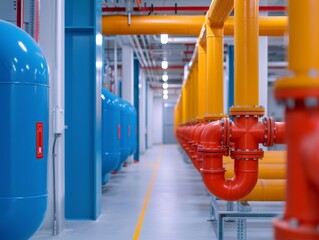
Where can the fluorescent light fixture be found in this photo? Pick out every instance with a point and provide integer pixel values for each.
(165, 85)
(164, 77)
(165, 97)
(164, 64)
(165, 92)
(164, 38)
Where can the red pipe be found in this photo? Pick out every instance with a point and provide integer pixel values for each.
(301, 218)
(20, 13)
(240, 139)
(184, 9)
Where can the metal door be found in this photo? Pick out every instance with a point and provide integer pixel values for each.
(168, 123)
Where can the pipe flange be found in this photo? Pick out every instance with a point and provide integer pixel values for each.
(226, 131)
(211, 171)
(255, 111)
(270, 132)
(247, 155)
(211, 151)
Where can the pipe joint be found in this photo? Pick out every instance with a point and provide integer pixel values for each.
(247, 155)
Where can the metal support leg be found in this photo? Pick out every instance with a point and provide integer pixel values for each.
(241, 222)
(213, 209)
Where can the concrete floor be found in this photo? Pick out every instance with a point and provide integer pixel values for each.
(161, 197)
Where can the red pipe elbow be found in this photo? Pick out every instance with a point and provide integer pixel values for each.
(244, 181)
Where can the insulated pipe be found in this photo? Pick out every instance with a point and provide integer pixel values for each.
(246, 53)
(265, 171)
(300, 93)
(214, 72)
(270, 157)
(182, 25)
(267, 190)
(245, 134)
(219, 11)
(201, 107)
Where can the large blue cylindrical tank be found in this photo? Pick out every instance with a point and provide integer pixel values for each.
(125, 131)
(111, 132)
(24, 133)
(133, 129)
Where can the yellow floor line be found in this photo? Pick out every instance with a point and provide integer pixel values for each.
(147, 198)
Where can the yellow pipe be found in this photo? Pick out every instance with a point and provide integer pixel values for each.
(182, 25)
(195, 90)
(190, 95)
(267, 190)
(266, 171)
(270, 157)
(268, 26)
(184, 104)
(219, 11)
(214, 71)
(246, 53)
(201, 82)
(303, 49)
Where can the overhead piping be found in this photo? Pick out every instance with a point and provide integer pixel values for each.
(182, 25)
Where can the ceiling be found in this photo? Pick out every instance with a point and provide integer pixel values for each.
(151, 52)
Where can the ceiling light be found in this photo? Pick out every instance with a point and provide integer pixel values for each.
(165, 92)
(164, 77)
(165, 97)
(164, 38)
(164, 64)
(165, 85)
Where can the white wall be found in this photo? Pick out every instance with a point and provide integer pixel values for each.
(149, 130)
(142, 111)
(128, 74)
(157, 128)
(157, 117)
(51, 40)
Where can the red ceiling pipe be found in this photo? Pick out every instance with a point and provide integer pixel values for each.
(20, 13)
(244, 136)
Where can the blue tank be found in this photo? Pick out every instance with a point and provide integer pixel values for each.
(133, 129)
(111, 132)
(24, 133)
(125, 131)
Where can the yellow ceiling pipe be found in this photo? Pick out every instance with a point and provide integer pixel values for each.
(201, 82)
(219, 11)
(182, 25)
(268, 26)
(246, 53)
(267, 190)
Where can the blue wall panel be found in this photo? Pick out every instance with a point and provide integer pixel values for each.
(83, 78)
(136, 105)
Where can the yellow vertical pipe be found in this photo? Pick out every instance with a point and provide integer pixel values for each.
(246, 53)
(189, 98)
(195, 90)
(201, 104)
(180, 110)
(303, 37)
(214, 70)
(184, 103)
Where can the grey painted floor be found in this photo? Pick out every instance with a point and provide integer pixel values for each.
(166, 198)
